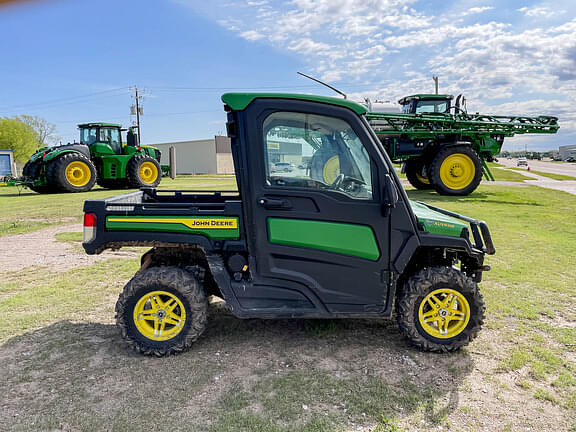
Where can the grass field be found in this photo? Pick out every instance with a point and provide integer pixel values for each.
(66, 368)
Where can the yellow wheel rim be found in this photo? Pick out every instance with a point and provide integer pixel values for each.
(148, 172)
(457, 171)
(444, 313)
(78, 173)
(159, 315)
(331, 170)
(422, 179)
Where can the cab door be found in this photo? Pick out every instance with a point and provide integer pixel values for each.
(318, 232)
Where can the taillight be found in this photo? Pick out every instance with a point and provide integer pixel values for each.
(89, 227)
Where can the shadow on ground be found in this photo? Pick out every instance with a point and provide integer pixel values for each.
(251, 375)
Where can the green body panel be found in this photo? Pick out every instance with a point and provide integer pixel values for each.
(341, 238)
(213, 227)
(113, 166)
(57, 153)
(489, 145)
(239, 101)
(437, 223)
(100, 149)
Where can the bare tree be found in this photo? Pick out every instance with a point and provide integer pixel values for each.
(44, 130)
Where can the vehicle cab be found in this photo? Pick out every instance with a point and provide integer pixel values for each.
(426, 103)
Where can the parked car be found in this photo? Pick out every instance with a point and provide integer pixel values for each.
(522, 162)
(283, 167)
(570, 159)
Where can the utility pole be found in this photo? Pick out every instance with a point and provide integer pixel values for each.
(435, 78)
(137, 109)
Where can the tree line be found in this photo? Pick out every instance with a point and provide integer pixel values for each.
(26, 134)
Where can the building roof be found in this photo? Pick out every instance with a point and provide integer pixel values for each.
(239, 101)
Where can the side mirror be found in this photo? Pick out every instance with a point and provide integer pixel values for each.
(391, 195)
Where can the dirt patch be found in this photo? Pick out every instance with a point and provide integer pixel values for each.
(262, 375)
(40, 248)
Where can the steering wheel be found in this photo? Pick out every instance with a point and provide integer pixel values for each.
(337, 182)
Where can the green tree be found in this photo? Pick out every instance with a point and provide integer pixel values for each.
(18, 136)
(44, 130)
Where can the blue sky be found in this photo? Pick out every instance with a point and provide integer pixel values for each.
(70, 61)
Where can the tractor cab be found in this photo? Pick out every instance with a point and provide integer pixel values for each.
(426, 103)
(103, 137)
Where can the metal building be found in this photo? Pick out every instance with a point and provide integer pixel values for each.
(209, 156)
(7, 166)
(568, 151)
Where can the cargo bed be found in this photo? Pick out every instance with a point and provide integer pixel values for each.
(163, 218)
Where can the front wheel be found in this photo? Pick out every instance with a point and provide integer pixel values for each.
(143, 171)
(440, 309)
(162, 311)
(456, 170)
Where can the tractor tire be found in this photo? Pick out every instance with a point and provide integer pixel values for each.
(31, 169)
(325, 165)
(113, 183)
(143, 171)
(31, 172)
(162, 311)
(440, 309)
(414, 174)
(456, 170)
(71, 172)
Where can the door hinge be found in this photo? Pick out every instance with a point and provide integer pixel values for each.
(387, 277)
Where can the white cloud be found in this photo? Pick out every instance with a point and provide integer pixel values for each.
(251, 35)
(478, 10)
(540, 11)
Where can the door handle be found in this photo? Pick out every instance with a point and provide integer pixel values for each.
(279, 204)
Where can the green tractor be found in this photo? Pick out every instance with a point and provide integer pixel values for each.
(100, 157)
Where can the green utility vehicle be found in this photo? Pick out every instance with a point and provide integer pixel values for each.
(100, 157)
(289, 245)
(442, 146)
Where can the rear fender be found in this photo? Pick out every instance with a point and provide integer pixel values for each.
(57, 153)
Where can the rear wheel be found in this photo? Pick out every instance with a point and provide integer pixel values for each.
(456, 170)
(143, 171)
(416, 175)
(440, 309)
(162, 311)
(71, 172)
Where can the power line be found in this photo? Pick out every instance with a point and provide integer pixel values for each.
(66, 100)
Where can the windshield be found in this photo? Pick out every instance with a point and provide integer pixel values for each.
(435, 106)
(88, 135)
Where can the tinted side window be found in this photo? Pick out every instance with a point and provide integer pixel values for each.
(318, 152)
